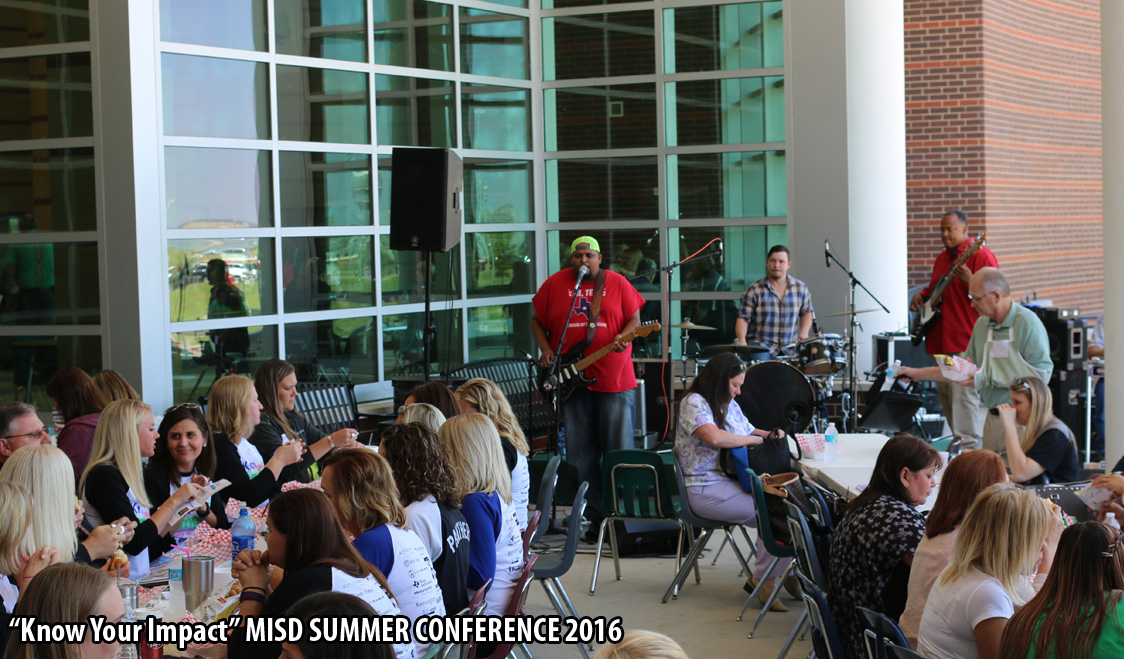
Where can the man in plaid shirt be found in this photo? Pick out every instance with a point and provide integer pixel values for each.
(776, 309)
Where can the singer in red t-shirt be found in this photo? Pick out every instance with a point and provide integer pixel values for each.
(953, 328)
(600, 418)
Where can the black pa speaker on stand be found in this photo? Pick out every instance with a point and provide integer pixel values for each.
(426, 196)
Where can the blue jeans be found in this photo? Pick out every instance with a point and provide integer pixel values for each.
(597, 423)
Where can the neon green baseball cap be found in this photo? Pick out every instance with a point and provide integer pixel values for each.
(585, 240)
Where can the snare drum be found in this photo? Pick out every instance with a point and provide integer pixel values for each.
(821, 355)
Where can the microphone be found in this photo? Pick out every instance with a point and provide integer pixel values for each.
(827, 253)
(582, 272)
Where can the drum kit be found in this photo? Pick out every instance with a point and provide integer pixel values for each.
(788, 391)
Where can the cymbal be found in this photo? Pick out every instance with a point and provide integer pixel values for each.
(736, 348)
(848, 313)
(688, 325)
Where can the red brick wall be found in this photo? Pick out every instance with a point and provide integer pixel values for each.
(1003, 121)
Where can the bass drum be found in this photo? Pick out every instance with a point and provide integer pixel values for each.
(777, 395)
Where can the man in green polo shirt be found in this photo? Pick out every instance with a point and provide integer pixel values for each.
(1008, 341)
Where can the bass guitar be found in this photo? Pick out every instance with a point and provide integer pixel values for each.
(930, 310)
(571, 371)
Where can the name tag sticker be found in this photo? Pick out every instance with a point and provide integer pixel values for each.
(999, 349)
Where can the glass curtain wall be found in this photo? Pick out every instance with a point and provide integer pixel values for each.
(50, 299)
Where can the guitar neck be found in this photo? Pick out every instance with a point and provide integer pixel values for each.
(589, 361)
(947, 279)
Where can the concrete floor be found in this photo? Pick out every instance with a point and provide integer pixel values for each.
(703, 619)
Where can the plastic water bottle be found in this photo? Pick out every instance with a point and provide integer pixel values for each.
(1110, 519)
(242, 534)
(177, 601)
(891, 374)
(831, 443)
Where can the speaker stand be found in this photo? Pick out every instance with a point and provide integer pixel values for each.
(427, 333)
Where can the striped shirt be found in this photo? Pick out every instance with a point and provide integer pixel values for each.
(774, 321)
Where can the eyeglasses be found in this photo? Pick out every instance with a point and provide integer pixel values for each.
(33, 434)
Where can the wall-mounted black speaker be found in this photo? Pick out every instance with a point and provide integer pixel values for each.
(426, 188)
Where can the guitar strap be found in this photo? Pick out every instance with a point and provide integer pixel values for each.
(595, 306)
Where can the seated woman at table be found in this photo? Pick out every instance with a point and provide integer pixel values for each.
(112, 486)
(45, 473)
(16, 563)
(361, 487)
(966, 476)
(708, 423)
(80, 403)
(1079, 612)
(306, 541)
(185, 453)
(437, 394)
(233, 410)
(874, 543)
(425, 482)
(1007, 534)
(496, 546)
(1046, 453)
(276, 384)
(339, 606)
(486, 397)
(68, 593)
(423, 413)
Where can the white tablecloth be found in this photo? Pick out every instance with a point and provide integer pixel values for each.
(850, 474)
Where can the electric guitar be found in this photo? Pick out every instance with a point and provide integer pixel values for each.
(930, 310)
(571, 370)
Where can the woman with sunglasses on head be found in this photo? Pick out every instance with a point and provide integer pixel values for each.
(45, 473)
(184, 454)
(276, 384)
(1079, 613)
(305, 540)
(1046, 453)
(112, 486)
(233, 411)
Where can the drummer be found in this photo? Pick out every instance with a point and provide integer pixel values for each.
(776, 310)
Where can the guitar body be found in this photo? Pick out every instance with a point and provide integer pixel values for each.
(930, 311)
(926, 318)
(571, 368)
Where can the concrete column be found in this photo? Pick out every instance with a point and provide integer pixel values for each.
(847, 137)
(1112, 140)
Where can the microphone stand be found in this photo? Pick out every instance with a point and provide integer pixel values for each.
(555, 402)
(850, 394)
(666, 313)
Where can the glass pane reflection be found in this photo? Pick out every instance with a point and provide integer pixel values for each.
(413, 111)
(496, 191)
(723, 38)
(599, 45)
(602, 189)
(312, 28)
(29, 362)
(327, 273)
(49, 283)
(413, 33)
(325, 189)
(56, 185)
(195, 357)
(402, 343)
(741, 262)
(496, 118)
(212, 278)
(213, 97)
(610, 117)
(403, 274)
(730, 111)
(500, 263)
(494, 44)
(627, 252)
(322, 105)
(224, 23)
(500, 331)
(737, 184)
(46, 97)
(39, 23)
(333, 350)
(217, 188)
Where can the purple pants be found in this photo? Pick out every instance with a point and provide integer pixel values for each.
(726, 501)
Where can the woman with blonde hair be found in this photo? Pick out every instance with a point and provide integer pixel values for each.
(113, 386)
(45, 473)
(233, 411)
(16, 514)
(642, 644)
(276, 384)
(1007, 535)
(70, 593)
(361, 487)
(496, 546)
(423, 413)
(112, 486)
(1046, 453)
(485, 396)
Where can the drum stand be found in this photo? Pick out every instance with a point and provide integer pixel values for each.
(683, 376)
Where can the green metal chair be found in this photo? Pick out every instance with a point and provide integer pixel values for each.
(775, 549)
(634, 489)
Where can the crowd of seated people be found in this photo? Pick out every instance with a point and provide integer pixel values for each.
(412, 531)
